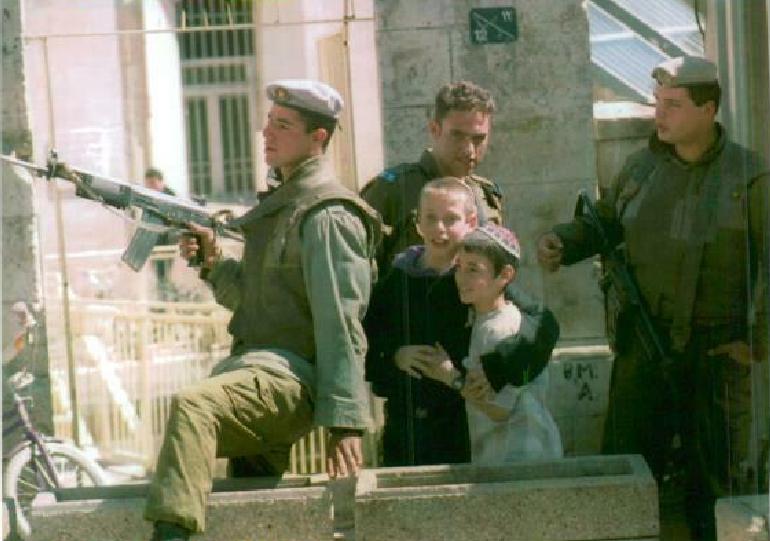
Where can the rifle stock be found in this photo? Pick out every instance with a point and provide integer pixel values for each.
(161, 212)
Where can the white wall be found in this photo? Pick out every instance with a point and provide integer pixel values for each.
(164, 91)
(288, 48)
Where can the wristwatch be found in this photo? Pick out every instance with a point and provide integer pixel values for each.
(458, 383)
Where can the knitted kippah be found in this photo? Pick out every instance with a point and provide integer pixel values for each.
(505, 238)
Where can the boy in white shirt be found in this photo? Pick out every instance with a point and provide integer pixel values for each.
(512, 424)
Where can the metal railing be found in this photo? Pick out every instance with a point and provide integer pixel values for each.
(132, 357)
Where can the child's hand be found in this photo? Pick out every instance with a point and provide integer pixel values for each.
(440, 366)
(477, 387)
(414, 360)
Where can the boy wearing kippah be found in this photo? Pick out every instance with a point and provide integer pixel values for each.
(513, 423)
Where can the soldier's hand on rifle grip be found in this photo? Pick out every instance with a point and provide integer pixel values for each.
(549, 251)
(199, 247)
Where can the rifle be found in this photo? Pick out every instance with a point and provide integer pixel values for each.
(621, 289)
(161, 213)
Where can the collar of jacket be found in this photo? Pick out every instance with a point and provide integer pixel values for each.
(307, 175)
(659, 147)
(428, 164)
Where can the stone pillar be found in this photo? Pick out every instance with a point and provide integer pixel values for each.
(738, 39)
(542, 149)
(20, 248)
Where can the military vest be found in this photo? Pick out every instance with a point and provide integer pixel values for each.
(656, 205)
(274, 311)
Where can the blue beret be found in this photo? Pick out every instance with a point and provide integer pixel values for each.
(305, 94)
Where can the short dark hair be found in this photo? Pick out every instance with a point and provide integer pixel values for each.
(152, 172)
(476, 243)
(701, 93)
(314, 120)
(462, 96)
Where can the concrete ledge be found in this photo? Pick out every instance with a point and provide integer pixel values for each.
(623, 120)
(586, 498)
(742, 518)
(284, 513)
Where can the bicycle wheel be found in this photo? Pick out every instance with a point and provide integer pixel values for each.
(26, 476)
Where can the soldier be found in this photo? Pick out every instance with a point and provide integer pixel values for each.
(460, 130)
(690, 209)
(297, 295)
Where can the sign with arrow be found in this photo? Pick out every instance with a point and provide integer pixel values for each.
(493, 25)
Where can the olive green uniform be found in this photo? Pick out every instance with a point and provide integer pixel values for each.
(395, 194)
(652, 209)
(298, 296)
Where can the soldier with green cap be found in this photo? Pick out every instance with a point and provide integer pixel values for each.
(691, 210)
(297, 295)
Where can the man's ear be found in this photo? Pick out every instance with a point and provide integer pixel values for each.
(320, 135)
(710, 107)
(473, 220)
(434, 128)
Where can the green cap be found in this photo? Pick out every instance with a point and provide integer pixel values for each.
(685, 70)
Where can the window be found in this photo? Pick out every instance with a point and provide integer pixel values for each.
(219, 84)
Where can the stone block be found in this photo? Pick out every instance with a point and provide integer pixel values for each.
(298, 511)
(406, 135)
(528, 12)
(619, 129)
(527, 76)
(528, 501)
(413, 65)
(578, 391)
(566, 426)
(401, 14)
(588, 434)
(17, 191)
(523, 148)
(742, 518)
(572, 293)
(579, 379)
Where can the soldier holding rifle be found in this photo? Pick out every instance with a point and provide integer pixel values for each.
(690, 215)
(297, 296)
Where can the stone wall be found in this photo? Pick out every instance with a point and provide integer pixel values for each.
(542, 150)
(20, 276)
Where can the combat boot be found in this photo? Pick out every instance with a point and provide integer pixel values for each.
(168, 531)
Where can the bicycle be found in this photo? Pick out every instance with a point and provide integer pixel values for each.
(39, 463)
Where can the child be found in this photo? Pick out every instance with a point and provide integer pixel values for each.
(414, 307)
(512, 424)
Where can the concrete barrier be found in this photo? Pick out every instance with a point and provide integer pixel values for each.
(578, 391)
(293, 509)
(584, 498)
(742, 518)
